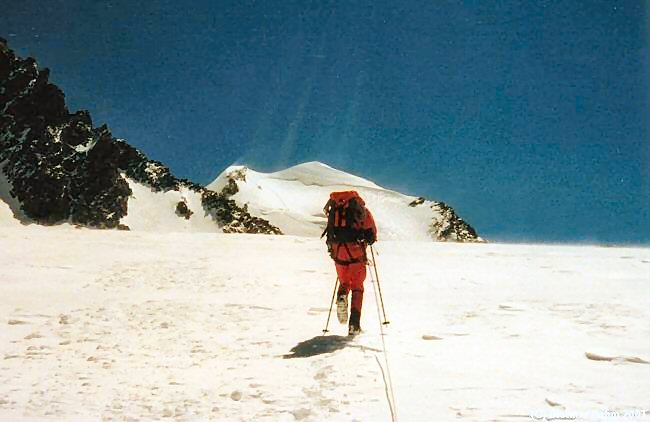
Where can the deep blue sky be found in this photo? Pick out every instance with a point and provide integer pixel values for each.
(527, 117)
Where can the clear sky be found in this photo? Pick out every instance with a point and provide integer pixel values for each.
(529, 118)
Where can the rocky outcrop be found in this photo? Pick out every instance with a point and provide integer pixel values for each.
(63, 169)
(182, 210)
(59, 166)
(446, 226)
(419, 201)
(449, 227)
(236, 219)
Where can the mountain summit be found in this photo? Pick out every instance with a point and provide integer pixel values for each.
(293, 199)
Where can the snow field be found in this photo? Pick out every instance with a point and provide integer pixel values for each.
(196, 326)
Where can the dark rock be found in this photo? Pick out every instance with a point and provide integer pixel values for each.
(450, 227)
(78, 130)
(138, 167)
(233, 218)
(231, 188)
(416, 202)
(59, 167)
(182, 210)
(62, 169)
(5, 62)
(447, 226)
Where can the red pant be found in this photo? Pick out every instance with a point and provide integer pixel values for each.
(351, 277)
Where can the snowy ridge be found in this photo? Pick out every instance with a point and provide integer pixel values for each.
(293, 200)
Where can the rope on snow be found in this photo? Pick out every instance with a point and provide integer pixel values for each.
(388, 383)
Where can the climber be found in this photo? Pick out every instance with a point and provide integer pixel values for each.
(350, 229)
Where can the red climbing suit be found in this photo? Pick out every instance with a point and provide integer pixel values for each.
(350, 258)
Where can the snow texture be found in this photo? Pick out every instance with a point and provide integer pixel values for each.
(149, 210)
(119, 325)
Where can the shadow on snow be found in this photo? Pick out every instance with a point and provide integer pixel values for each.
(317, 346)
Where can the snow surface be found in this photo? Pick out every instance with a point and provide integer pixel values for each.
(293, 200)
(149, 210)
(196, 326)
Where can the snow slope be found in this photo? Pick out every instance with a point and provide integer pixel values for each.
(156, 211)
(293, 200)
(198, 326)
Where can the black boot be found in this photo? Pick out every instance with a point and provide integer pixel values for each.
(354, 327)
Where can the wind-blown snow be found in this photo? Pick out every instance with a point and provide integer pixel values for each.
(196, 326)
(293, 200)
(156, 211)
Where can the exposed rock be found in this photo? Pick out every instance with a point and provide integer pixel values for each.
(450, 227)
(151, 173)
(62, 169)
(182, 210)
(416, 202)
(231, 188)
(233, 218)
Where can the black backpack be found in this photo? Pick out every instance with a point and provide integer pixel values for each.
(346, 213)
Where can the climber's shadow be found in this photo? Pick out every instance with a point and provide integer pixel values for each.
(317, 346)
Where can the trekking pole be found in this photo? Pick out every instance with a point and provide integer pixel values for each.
(329, 314)
(381, 298)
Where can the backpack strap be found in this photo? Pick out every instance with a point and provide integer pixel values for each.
(330, 220)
